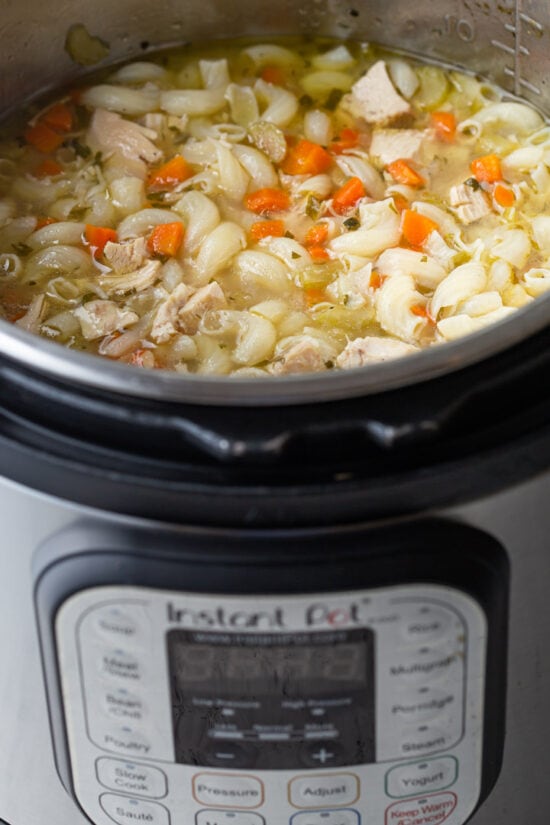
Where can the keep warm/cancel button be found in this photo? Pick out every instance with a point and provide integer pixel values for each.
(225, 790)
(324, 791)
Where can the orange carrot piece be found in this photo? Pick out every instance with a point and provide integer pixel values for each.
(348, 139)
(59, 117)
(317, 235)
(416, 228)
(314, 295)
(267, 200)
(166, 239)
(376, 280)
(487, 169)
(400, 201)
(274, 75)
(504, 196)
(42, 222)
(348, 195)
(97, 237)
(47, 169)
(306, 158)
(43, 138)
(420, 311)
(444, 124)
(403, 173)
(319, 254)
(175, 171)
(267, 229)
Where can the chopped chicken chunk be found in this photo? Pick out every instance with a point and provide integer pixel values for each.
(388, 145)
(166, 318)
(302, 356)
(205, 299)
(370, 350)
(110, 133)
(470, 204)
(99, 318)
(375, 99)
(119, 283)
(126, 257)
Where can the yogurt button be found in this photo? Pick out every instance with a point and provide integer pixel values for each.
(324, 791)
(131, 778)
(129, 811)
(422, 777)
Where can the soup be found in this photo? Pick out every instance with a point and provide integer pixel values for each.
(275, 208)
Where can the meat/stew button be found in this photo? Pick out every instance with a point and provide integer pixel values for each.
(224, 790)
(324, 791)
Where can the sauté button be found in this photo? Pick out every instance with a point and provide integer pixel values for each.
(131, 778)
(221, 790)
(228, 818)
(434, 809)
(129, 811)
(322, 791)
(344, 816)
(427, 776)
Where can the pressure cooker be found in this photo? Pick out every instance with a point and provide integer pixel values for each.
(315, 600)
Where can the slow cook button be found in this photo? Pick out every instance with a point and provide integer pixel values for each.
(228, 818)
(120, 665)
(424, 810)
(125, 740)
(128, 777)
(345, 816)
(222, 790)
(423, 740)
(422, 777)
(427, 623)
(324, 791)
(120, 704)
(128, 811)
(116, 624)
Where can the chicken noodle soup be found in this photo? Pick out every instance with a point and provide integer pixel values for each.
(273, 208)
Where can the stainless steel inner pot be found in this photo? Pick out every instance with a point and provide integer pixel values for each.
(506, 41)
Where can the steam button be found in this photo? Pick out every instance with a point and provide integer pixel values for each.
(127, 811)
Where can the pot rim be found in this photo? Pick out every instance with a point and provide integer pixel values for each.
(94, 372)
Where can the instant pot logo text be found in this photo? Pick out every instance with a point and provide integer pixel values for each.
(316, 615)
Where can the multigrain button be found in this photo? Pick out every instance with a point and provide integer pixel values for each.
(425, 665)
(324, 791)
(120, 666)
(433, 809)
(345, 816)
(129, 811)
(219, 790)
(131, 778)
(124, 740)
(429, 775)
(228, 818)
(123, 705)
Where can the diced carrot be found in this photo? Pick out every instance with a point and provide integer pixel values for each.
(317, 235)
(421, 312)
(319, 254)
(348, 195)
(416, 227)
(42, 222)
(403, 173)
(175, 171)
(348, 139)
(487, 169)
(504, 196)
(274, 75)
(306, 158)
(267, 200)
(166, 239)
(43, 138)
(444, 124)
(267, 229)
(97, 237)
(58, 117)
(400, 201)
(47, 169)
(376, 280)
(314, 295)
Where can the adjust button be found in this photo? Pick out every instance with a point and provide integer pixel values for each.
(128, 777)
(345, 816)
(430, 775)
(228, 818)
(222, 790)
(322, 791)
(128, 811)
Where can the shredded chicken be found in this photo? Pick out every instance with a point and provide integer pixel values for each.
(203, 300)
(269, 139)
(119, 283)
(110, 133)
(303, 356)
(370, 350)
(99, 318)
(166, 318)
(374, 98)
(388, 145)
(470, 204)
(126, 257)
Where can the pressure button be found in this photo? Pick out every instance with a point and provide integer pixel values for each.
(129, 811)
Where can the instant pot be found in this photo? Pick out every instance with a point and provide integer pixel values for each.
(317, 600)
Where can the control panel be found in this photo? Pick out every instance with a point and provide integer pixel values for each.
(352, 708)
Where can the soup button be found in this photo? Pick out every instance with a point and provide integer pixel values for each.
(322, 791)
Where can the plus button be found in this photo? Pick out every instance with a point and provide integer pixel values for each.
(323, 756)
